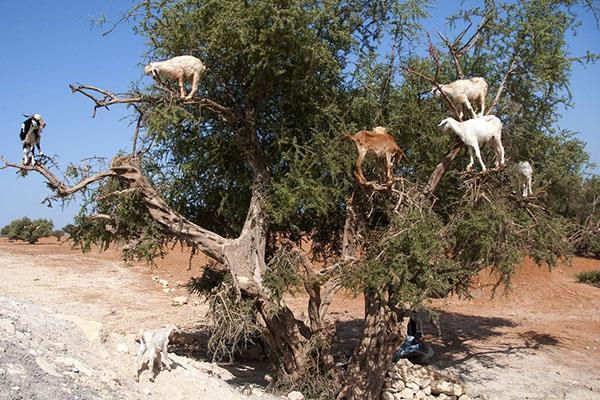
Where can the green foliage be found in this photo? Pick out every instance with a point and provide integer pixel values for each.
(282, 273)
(28, 230)
(591, 277)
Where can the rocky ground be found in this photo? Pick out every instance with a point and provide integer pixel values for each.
(68, 322)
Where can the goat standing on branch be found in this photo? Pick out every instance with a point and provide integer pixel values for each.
(382, 144)
(181, 68)
(475, 132)
(464, 93)
(525, 176)
(30, 135)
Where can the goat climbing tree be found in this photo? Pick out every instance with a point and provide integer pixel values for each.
(255, 171)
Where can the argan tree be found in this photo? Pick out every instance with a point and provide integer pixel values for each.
(28, 230)
(256, 173)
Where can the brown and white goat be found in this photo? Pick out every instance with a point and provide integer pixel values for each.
(382, 144)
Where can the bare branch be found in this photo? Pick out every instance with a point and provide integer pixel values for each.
(53, 182)
(511, 69)
(108, 98)
(473, 39)
(453, 53)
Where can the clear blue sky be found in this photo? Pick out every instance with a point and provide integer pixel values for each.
(48, 44)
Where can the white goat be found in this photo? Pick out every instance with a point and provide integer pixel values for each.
(30, 135)
(181, 68)
(478, 131)
(525, 177)
(475, 90)
(152, 353)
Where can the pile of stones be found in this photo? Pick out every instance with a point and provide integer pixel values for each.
(406, 380)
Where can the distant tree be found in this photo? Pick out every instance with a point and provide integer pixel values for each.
(256, 168)
(28, 230)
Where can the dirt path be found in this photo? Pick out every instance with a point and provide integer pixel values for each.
(92, 306)
(539, 341)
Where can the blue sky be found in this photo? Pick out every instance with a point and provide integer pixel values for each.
(48, 44)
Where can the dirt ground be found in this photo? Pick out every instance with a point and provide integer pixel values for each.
(541, 340)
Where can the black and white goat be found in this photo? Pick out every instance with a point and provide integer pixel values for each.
(30, 135)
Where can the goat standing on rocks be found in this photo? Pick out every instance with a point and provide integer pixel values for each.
(181, 68)
(465, 92)
(478, 131)
(382, 144)
(152, 353)
(30, 135)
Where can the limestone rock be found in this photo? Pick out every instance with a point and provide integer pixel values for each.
(448, 388)
(464, 397)
(413, 386)
(179, 300)
(387, 396)
(295, 395)
(407, 393)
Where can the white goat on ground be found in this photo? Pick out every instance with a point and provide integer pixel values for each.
(475, 90)
(181, 68)
(478, 131)
(152, 353)
(30, 135)
(525, 176)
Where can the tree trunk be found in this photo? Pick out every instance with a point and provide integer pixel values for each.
(287, 340)
(382, 335)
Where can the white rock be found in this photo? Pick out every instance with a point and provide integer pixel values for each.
(449, 388)
(422, 382)
(413, 386)
(399, 385)
(420, 395)
(179, 300)
(163, 282)
(122, 348)
(426, 390)
(464, 397)
(2, 372)
(147, 391)
(295, 395)
(387, 396)
(407, 393)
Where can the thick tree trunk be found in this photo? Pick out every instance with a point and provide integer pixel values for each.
(383, 333)
(287, 340)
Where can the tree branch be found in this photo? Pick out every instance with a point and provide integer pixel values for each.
(128, 169)
(511, 69)
(103, 98)
(61, 189)
(442, 167)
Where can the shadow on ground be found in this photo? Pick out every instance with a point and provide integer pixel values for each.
(467, 337)
(247, 368)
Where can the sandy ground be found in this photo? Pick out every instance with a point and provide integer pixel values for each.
(541, 340)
